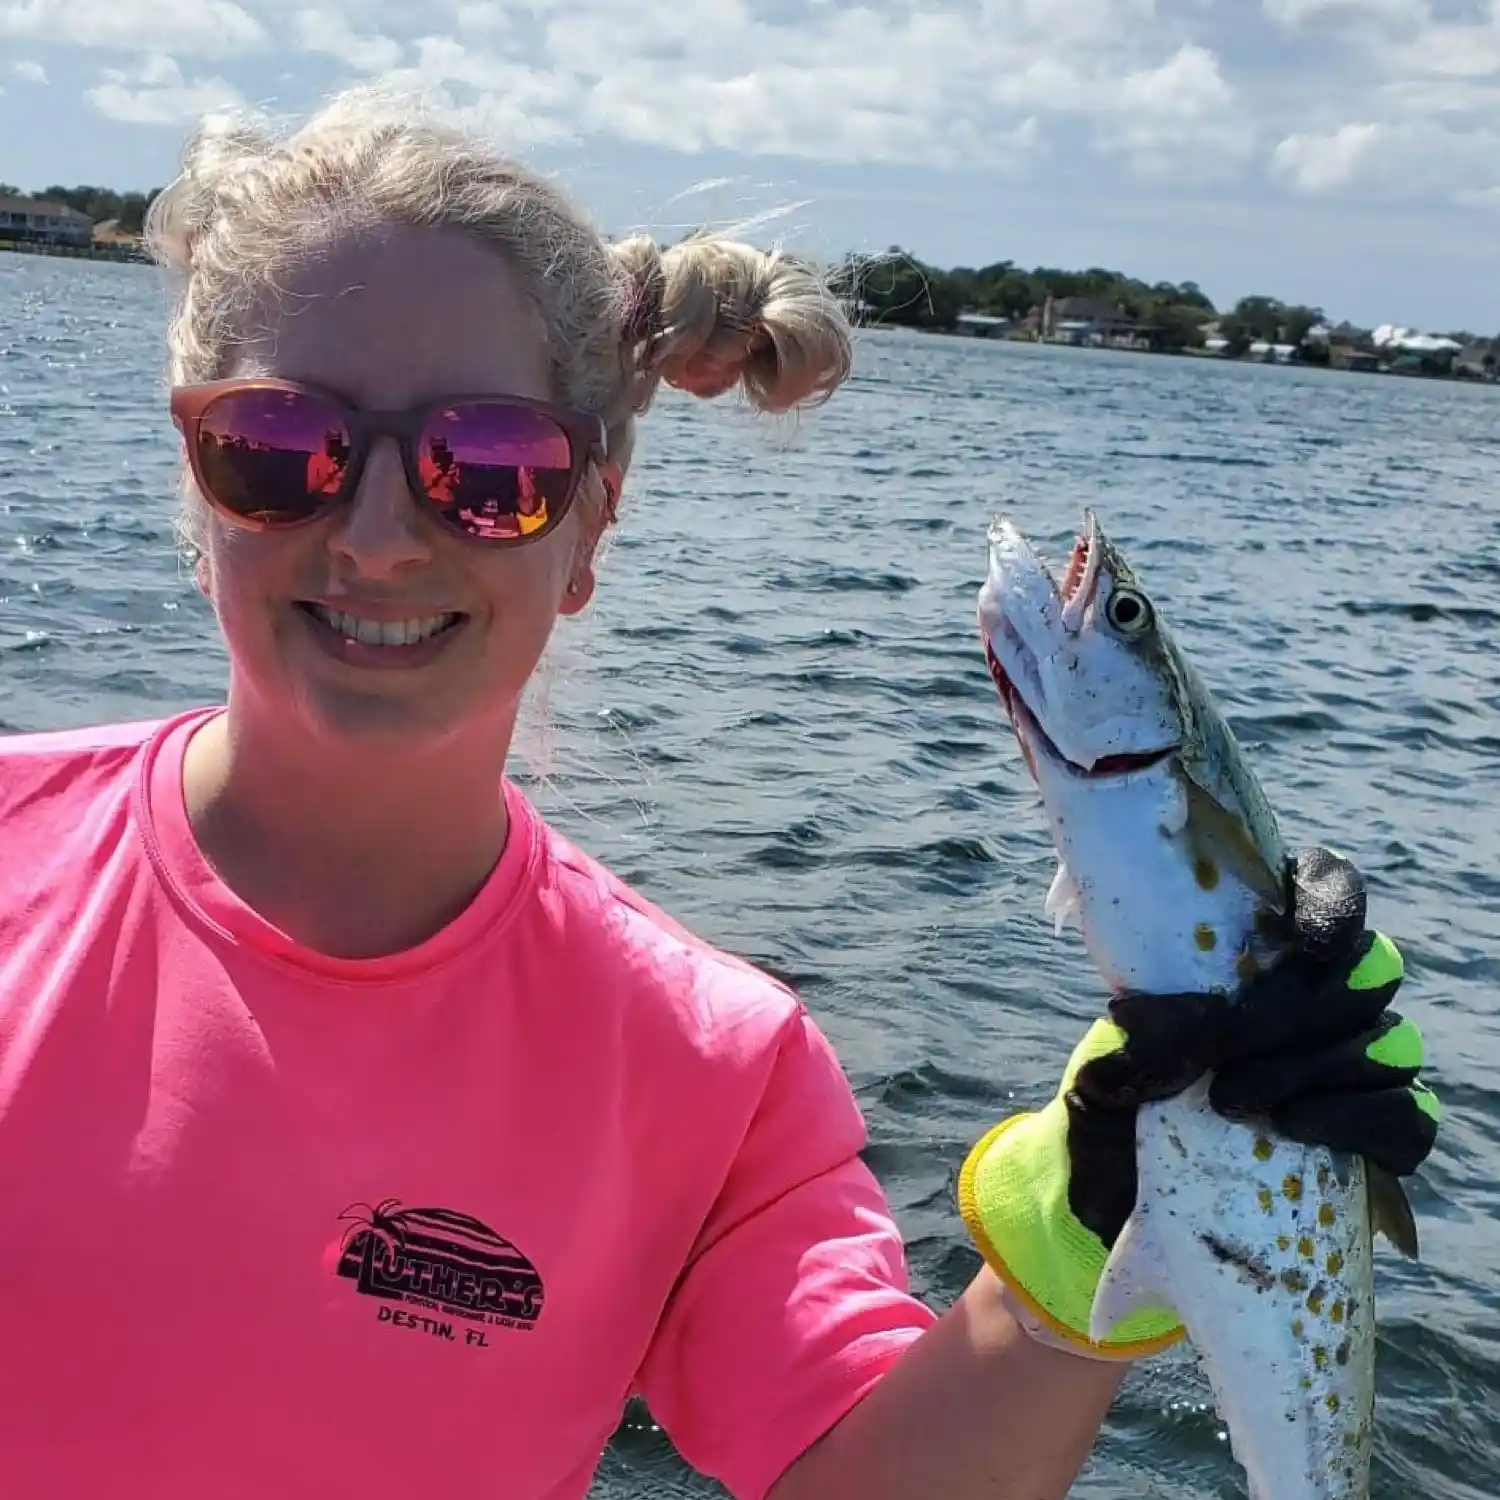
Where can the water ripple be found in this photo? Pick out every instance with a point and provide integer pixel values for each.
(774, 721)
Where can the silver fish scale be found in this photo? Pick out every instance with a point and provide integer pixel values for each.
(1266, 1248)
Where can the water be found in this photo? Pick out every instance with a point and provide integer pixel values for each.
(776, 722)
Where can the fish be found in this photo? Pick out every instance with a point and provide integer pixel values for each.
(1172, 865)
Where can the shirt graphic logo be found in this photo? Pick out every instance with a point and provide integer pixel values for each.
(441, 1260)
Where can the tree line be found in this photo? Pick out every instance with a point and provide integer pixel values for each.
(896, 288)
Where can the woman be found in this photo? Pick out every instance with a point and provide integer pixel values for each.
(358, 1133)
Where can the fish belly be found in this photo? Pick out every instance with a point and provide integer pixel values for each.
(1263, 1248)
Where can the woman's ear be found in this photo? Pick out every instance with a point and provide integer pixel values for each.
(580, 588)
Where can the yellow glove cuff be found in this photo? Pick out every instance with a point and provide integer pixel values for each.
(1013, 1196)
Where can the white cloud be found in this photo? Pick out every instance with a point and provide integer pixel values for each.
(333, 35)
(1321, 163)
(1187, 86)
(206, 27)
(1398, 105)
(155, 92)
(1294, 13)
(524, 106)
(31, 72)
(482, 15)
(955, 83)
(1394, 161)
(1450, 52)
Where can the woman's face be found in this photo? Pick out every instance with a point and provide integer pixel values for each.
(389, 321)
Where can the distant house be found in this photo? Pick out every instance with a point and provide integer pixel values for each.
(1092, 321)
(1405, 352)
(44, 223)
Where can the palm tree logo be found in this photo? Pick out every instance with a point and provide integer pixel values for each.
(374, 1231)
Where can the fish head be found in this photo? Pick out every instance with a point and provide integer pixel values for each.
(1169, 855)
(1083, 665)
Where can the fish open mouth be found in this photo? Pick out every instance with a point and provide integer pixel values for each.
(1030, 733)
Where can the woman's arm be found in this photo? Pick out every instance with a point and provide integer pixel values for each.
(974, 1410)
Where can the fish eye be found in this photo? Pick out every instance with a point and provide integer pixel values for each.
(1129, 612)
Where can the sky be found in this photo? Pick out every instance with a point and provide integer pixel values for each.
(1340, 153)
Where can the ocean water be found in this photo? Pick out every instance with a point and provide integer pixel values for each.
(777, 723)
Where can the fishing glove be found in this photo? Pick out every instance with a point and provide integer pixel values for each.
(1312, 1046)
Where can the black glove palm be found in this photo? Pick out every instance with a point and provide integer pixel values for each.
(1311, 1047)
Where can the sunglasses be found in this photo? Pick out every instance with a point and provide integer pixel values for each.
(273, 454)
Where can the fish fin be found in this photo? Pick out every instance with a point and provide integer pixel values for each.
(1063, 899)
(1390, 1212)
(1134, 1278)
(1223, 837)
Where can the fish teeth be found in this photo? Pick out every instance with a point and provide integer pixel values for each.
(1063, 899)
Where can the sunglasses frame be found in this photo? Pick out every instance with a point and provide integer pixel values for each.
(586, 435)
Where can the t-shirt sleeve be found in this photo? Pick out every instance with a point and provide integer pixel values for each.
(795, 1300)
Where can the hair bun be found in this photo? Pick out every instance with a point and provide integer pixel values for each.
(710, 313)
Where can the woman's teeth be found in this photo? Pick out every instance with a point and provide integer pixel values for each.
(382, 632)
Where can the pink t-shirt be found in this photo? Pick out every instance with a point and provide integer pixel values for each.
(276, 1224)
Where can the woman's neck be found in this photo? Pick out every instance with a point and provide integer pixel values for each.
(359, 863)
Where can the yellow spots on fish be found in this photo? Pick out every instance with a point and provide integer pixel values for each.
(1206, 873)
(1332, 1402)
(1305, 1247)
(1246, 968)
(1291, 1187)
(1320, 1357)
(1205, 937)
(1298, 1328)
(1263, 1148)
(1283, 1242)
(1294, 1281)
(1306, 1382)
(1336, 1313)
(1326, 1215)
(1315, 1300)
(1263, 1195)
(1335, 1262)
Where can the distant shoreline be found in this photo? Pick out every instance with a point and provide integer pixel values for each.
(1411, 372)
(126, 254)
(133, 254)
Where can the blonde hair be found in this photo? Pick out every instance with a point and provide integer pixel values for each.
(705, 315)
